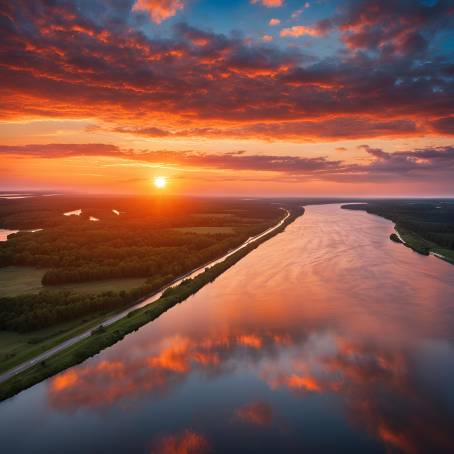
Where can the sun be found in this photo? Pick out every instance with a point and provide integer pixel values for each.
(160, 182)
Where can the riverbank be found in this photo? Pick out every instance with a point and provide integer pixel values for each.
(412, 221)
(104, 337)
(422, 246)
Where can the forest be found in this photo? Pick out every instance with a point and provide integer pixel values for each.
(140, 242)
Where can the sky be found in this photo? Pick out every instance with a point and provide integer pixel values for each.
(228, 97)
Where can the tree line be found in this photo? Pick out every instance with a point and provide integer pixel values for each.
(31, 312)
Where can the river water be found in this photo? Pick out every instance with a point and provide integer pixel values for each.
(327, 338)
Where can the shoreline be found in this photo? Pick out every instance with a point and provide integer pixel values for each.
(413, 241)
(408, 238)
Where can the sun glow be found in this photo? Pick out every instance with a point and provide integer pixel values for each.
(160, 182)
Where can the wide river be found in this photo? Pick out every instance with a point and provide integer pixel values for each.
(327, 338)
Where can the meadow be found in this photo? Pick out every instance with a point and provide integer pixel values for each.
(18, 280)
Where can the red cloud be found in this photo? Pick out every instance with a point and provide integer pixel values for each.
(159, 10)
(231, 87)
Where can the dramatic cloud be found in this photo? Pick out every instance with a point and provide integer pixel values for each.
(159, 10)
(390, 26)
(208, 83)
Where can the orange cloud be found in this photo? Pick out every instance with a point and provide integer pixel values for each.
(289, 93)
(300, 30)
(159, 10)
(295, 382)
(303, 383)
(110, 381)
(174, 357)
(273, 22)
(64, 381)
(250, 340)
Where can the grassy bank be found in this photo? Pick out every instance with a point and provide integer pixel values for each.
(423, 246)
(16, 348)
(413, 241)
(105, 337)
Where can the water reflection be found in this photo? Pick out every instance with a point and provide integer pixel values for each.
(186, 442)
(256, 413)
(327, 338)
(379, 387)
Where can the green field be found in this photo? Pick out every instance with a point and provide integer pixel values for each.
(17, 280)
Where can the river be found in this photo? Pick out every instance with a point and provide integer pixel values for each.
(327, 338)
